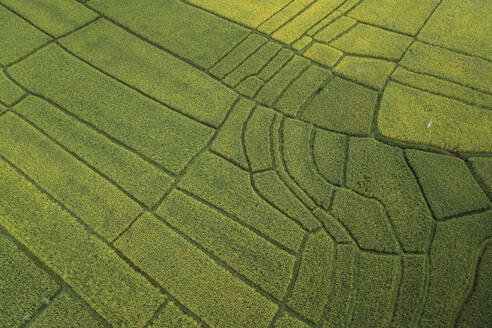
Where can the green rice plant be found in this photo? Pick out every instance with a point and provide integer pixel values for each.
(9, 92)
(448, 65)
(257, 138)
(274, 65)
(476, 310)
(273, 89)
(377, 289)
(323, 54)
(240, 248)
(296, 136)
(188, 32)
(238, 55)
(295, 28)
(370, 72)
(136, 176)
(271, 187)
(66, 311)
(283, 16)
(447, 184)
(367, 40)
(482, 166)
(172, 316)
(333, 30)
(98, 203)
(152, 71)
(23, 285)
(436, 85)
(234, 194)
(57, 17)
(249, 13)
(199, 283)
(18, 37)
(301, 90)
(454, 26)
(228, 142)
(95, 272)
(329, 154)
(288, 321)
(250, 86)
(453, 259)
(314, 281)
(400, 16)
(332, 226)
(253, 64)
(380, 171)
(333, 110)
(166, 137)
(366, 221)
(416, 116)
(411, 295)
(342, 298)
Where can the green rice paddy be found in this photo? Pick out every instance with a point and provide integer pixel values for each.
(246, 163)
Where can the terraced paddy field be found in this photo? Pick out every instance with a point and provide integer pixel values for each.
(246, 163)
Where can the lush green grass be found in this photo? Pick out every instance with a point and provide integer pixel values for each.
(245, 163)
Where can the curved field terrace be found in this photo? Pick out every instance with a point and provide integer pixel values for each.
(246, 163)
